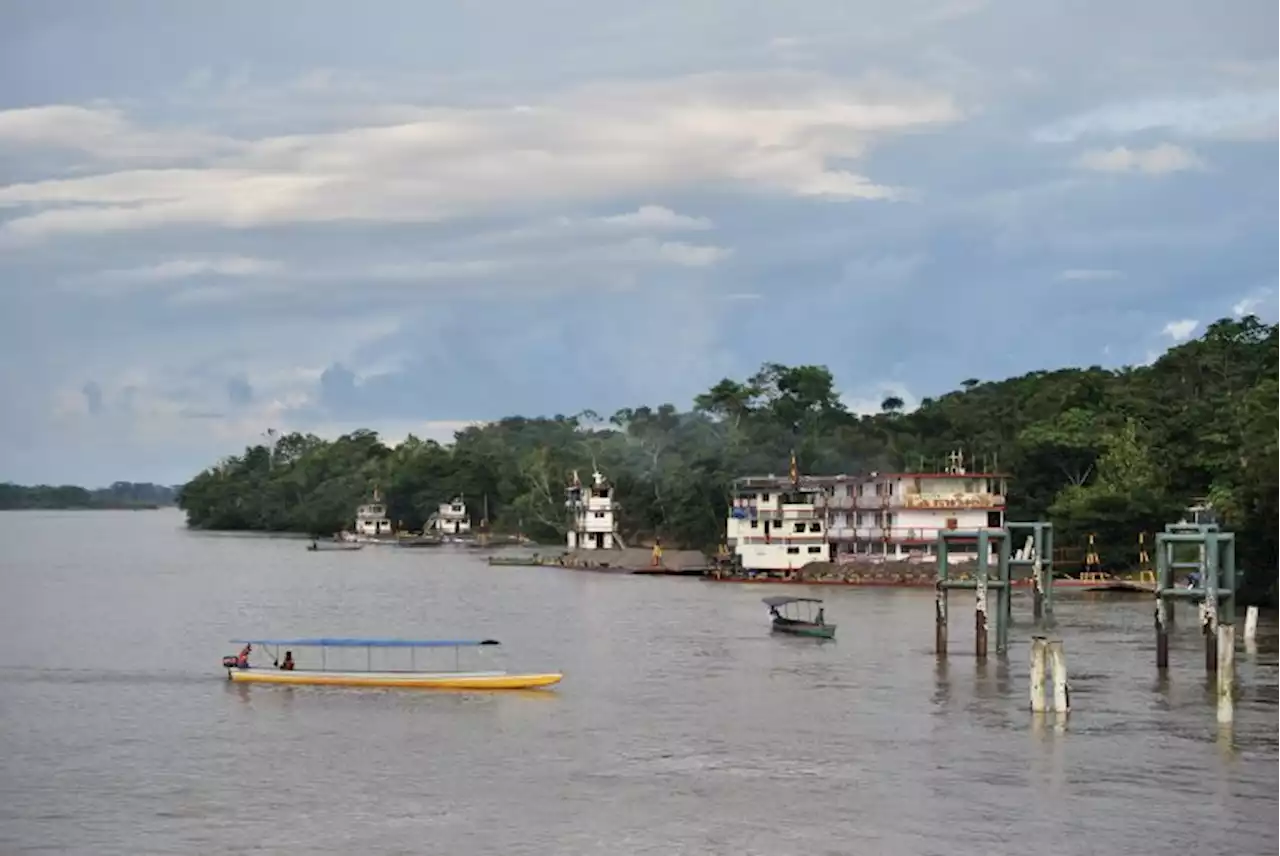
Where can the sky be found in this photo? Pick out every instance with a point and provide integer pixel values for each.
(218, 219)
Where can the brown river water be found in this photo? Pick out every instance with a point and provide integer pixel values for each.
(682, 725)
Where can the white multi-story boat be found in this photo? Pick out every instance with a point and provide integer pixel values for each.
(451, 521)
(593, 523)
(372, 524)
(779, 523)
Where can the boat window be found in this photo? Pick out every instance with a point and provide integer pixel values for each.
(815, 527)
(764, 497)
(599, 514)
(793, 550)
(755, 524)
(815, 549)
(799, 527)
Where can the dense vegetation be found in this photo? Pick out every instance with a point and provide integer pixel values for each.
(119, 495)
(1098, 451)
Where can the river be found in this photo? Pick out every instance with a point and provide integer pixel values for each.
(682, 725)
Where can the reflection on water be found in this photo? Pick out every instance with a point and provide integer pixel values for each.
(682, 726)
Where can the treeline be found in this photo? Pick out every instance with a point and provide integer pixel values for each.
(121, 495)
(1107, 452)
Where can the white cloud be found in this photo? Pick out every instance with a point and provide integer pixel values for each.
(780, 133)
(867, 400)
(104, 132)
(1180, 331)
(1229, 116)
(1090, 275)
(657, 218)
(1261, 301)
(1164, 158)
(185, 268)
(241, 277)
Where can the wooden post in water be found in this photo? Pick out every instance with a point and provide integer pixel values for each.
(1226, 673)
(1251, 625)
(1039, 663)
(1209, 616)
(1162, 634)
(980, 601)
(1047, 656)
(1004, 594)
(940, 607)
(1058, 664)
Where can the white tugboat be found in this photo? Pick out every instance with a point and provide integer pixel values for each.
(372, 524)
(451, 522)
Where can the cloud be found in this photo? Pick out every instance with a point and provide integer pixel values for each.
(1164, 158)
(1090, 275)
(781, 133)
(684, 197)
(92, 397)
(104, 132)
(1229, 116)
(239, 391)
(1260, 301)
(186, 268)
(1180, 331)
(867, 400)
(557, 266)
(656, 217)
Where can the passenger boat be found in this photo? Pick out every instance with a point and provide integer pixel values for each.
(239, 668)
(811, 625)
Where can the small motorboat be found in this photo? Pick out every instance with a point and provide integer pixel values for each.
(811, 625)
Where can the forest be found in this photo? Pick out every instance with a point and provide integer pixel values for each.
(120, 495)
(1101, 451)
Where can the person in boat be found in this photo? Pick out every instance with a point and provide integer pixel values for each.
(287, 665)
(820, 615)
(242, 659)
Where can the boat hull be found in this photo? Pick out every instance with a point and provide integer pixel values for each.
(408, 680)
(817, 631)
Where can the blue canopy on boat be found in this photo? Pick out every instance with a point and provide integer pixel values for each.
(368, 643)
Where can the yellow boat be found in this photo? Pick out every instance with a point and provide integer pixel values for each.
(285, 671)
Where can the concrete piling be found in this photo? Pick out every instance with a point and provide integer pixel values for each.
(940, 622)
(1226, 671)
(1058, 665)
(1162, 634)
(1039, 662)
(980, 615)
(1251, 624)
(1048, 657)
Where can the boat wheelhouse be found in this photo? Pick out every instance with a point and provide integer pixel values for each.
(325, 665)
(451, 518)
(593, 523)
(372, 522)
